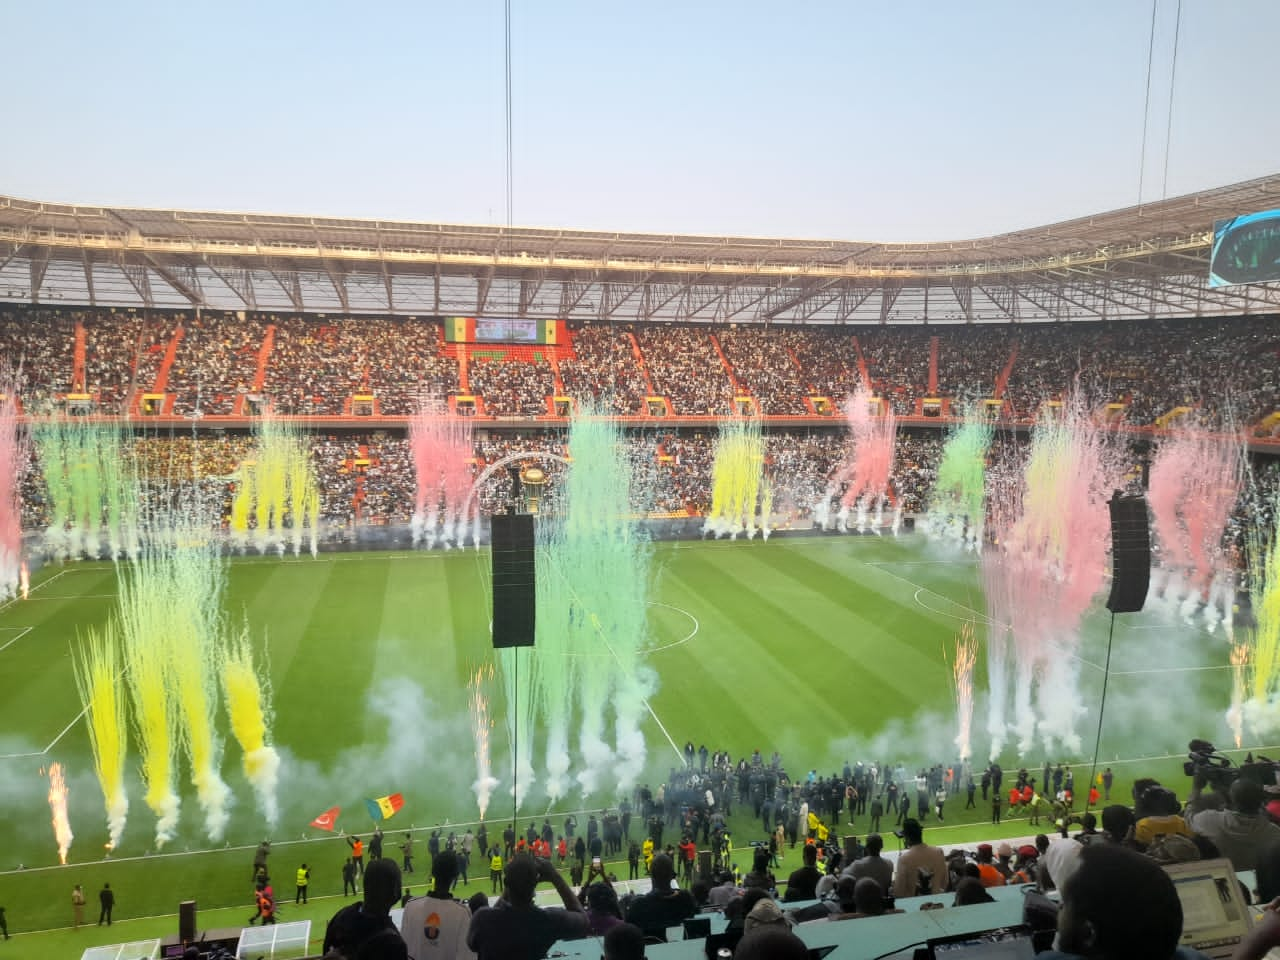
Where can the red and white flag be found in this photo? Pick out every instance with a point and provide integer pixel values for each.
(327, 820)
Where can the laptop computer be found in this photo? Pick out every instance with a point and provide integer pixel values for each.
(1214, 915)
(999, 943)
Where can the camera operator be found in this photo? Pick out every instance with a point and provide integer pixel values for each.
(1239, 831)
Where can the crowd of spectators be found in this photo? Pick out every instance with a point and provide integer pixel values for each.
(511, 387)
(686, 370)
(898, 363)
(216, 363)
(605, 370)
(1226, 372)
(765, 369)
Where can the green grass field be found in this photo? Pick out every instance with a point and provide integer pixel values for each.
(825, 648)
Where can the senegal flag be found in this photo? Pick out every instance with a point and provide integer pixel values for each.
(385, 807)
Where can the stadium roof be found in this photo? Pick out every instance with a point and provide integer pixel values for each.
(1146, 261)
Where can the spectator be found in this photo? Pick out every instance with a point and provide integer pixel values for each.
(771, 943)
(665, 905)
(437, 922)
(921, 868)
(1118, 905)
(623, 942)
(803, 883)
(872, 865)
(971, 890)
(1239, 831)
(352, 926)
(518, 929)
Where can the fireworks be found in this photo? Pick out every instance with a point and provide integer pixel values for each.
(1235, 715)
(98, 668)
(957, 510)
(89, 486)
(1195, 480)
(481, 725)
(145, 620)
(868, 464)
(1050, 564)
(276, 505)
(1261, 711)
(248, 698)
(58, 809)
(737, 478)
(962, 663)
(442, 454)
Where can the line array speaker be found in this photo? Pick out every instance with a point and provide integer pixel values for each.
(1130, 553)
(514, 591)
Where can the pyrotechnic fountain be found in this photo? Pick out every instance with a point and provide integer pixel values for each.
(58, 811)
(91, 492)
(481, 727)
(144, 624)
(867, 467)
(98, 667)
(957, 510)
(1261, 707)
(197, 576)
(1235, 714)
(1050, 563)
(442, 455)
(1195, 480)
(248, 696)
(276, 505)
(962, 663)
(592, 581)
(12, 465)
(739, 491)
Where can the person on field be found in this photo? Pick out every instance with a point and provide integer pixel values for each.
(107, 902)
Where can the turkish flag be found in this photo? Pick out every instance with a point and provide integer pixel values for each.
(327, 819)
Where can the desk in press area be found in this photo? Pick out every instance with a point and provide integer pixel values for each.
(860, 939)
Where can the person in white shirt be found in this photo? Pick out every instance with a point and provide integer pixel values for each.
(436, 925)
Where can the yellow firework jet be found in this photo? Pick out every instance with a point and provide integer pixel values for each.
(248, 696)
(98, 667)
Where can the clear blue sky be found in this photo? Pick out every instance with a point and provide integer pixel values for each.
(881, 121)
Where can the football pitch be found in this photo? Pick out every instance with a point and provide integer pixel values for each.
(825, 648)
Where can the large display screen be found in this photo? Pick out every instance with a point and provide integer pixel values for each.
(514, 330)
(502, 330)
(1246, 249)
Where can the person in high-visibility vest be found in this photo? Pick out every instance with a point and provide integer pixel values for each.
(357, 853)
(495, 869)
(646, 853)
(303, 878)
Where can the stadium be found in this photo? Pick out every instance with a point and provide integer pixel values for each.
(186, 330)
(321, 528)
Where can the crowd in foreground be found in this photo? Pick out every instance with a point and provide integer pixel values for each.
(1108, 896)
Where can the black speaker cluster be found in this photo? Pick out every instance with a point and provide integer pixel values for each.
(1130, 553)
(514, 591)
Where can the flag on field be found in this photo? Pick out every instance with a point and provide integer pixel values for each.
(384, 808)
(327, 819)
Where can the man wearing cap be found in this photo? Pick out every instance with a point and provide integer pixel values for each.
(987, 872)
(918, 859)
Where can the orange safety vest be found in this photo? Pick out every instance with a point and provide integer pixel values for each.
(357, 848)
